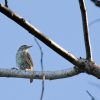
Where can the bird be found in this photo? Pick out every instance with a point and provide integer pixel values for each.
(24, 60)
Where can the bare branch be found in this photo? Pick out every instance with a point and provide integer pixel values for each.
(85, 66)
(86, 30)
(92, 97)
(32, 30)
(49, 75)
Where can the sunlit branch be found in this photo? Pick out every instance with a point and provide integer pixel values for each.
(32, 30)
(83, 65)
(86, 30)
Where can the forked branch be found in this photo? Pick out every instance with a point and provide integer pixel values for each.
(83, 65)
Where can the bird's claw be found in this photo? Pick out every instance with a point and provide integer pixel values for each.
(14, 68)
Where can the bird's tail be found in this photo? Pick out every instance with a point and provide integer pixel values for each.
(31, 80)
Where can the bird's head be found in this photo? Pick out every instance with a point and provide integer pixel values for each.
(24, 48)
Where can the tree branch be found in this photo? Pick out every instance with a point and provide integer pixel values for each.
(92, 97)
(86, 66)
(32, 30)
(94, 22)
(49, 75)
(96, 2)
(83, 65)
(86, 30)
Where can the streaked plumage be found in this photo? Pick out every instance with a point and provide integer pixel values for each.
(23, 59)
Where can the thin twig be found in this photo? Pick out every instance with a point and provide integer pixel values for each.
(94, 84)
(86, 30)
(43, 87)
(6, 3)
(42, 68)
(94, 22)
(41, 51)
(92, 97)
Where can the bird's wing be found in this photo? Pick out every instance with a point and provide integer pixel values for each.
(29, 59)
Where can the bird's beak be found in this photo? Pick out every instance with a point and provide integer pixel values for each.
(30, 46)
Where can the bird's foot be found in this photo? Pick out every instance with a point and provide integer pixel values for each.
(14, 68)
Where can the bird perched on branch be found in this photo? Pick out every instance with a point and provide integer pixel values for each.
(24, 60)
